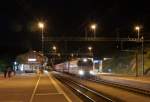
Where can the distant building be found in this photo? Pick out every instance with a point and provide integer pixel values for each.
(31, 61)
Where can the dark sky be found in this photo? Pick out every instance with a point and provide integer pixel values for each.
(18, 20)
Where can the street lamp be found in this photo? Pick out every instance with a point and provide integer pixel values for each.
(142, 38)
(41, 26)
(54, 48)
(137, 28)
(54, 53)
(90, 48)
(93, 27)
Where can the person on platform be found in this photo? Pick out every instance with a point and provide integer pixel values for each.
(5, 72)
(9, 70)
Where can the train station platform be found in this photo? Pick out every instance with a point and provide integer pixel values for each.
(34, 88)
(142, 82)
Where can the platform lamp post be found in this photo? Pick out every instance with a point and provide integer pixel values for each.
(142, 38)
(93, 27)
(41, 26)
(54, 49)
(90, 50)
(138, 28)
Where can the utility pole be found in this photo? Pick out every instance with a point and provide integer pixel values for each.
(142, 38)
(136, 68)
(93, 27)
(41, 26)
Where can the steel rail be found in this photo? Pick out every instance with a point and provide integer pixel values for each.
(69, 83)
(121, 86)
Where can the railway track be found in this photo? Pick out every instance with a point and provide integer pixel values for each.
(119, 85)
(85, 93)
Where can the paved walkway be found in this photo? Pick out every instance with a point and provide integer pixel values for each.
(32, 88)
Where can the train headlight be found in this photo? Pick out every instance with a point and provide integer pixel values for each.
(81, 72)
(92, 72)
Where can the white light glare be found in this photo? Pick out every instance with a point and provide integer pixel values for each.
(137, 28)
(92, 72)
(81, 72)
(15, 63)
(93, 26)
(31, 59)
(21, 68)
(54, 47)
(41, 25)
(85, 60)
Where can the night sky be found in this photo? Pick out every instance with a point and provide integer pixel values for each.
(19, 18)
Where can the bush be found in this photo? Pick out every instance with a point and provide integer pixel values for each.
(3, 65)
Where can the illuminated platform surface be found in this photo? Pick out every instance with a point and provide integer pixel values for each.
(32, 88)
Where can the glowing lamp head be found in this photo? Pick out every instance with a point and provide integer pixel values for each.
(137, 28)
(54, 47)
(93, 26)
(41, 25)
(81, 72)
(90, 48)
